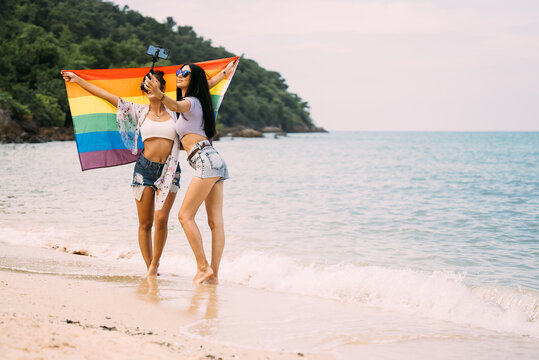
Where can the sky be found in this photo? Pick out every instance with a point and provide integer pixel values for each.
(404, 65)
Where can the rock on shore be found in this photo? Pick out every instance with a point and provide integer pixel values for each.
(28, 131)
(306, 129)
(15, 134)
(248, 132)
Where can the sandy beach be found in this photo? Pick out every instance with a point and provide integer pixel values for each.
(51, 317)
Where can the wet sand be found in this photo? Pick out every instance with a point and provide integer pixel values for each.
(53, 317)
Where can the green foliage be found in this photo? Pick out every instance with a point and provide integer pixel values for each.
(18, 109)
(47, 111)
(41, 37)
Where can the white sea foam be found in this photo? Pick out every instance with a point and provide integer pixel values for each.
(67, 241)
(437, 295)
(440, 295)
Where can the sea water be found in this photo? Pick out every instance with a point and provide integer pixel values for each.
(420, 239)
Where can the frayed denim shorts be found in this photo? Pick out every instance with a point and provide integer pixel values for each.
(147, 172)
(207, 162)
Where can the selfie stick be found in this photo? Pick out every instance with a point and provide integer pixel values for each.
(154, 60)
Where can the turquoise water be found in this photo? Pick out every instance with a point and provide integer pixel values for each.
(441, 225)
(464, 202)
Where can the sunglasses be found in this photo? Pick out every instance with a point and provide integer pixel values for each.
(183, 73)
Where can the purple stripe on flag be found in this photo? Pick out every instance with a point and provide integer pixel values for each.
(106, 158)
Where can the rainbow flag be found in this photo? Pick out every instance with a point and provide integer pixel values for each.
(99, 143)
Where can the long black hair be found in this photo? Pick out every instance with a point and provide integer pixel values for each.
(198, 87)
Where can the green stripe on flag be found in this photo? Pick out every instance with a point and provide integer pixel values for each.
(215, 101)
(94, 123)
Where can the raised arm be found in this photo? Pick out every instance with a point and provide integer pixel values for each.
(222, 74)
(152, 85)
(94, 89)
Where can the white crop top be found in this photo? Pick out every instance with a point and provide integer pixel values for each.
(158, 129)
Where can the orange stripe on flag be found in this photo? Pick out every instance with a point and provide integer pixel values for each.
(127, 87)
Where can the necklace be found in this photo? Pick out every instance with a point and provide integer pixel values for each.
(155, 114)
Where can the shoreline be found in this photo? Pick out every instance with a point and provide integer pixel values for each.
(17, 135)
(51, 316)
(61, 313)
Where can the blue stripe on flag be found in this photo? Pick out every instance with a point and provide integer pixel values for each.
(101, 141)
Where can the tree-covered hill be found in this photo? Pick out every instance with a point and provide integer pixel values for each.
(40, 37)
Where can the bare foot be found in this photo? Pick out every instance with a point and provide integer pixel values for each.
(203, 275)
(152, 270)
(213, 280)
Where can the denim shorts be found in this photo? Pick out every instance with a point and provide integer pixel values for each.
(207, 162)
(147, 172)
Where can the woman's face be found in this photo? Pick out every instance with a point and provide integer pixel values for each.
(183, 77)
(150, 95)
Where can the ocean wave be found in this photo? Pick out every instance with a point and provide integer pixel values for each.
(441, 295)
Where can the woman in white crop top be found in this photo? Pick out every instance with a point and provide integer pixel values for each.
(156, 176)
(195, 126)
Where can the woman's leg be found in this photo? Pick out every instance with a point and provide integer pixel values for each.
(196, 193)
(145, 207)
(161, 232)
(214, 209)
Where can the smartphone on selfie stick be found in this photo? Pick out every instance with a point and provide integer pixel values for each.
(156, 52)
